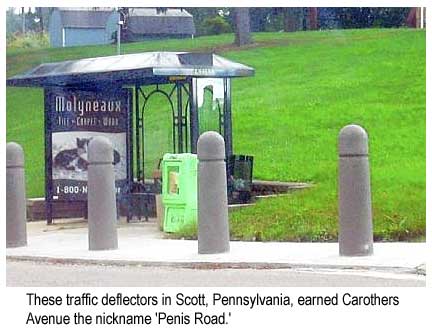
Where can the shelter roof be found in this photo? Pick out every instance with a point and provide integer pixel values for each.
(140, 68)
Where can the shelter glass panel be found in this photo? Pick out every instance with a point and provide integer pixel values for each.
(158, 129)
(210, 104)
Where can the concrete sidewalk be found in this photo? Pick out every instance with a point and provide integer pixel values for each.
(143, 244)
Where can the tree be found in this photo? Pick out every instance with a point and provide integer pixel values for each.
(13, 22)
(293, 19)
(201, 16)
(42, 14)
(411, 19)
(313, 18)
(242, 26)
(365, 17)
(216, 25)
(260, 19)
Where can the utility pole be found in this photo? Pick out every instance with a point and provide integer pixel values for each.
(118, 37)
(119, 28)
(23, 20)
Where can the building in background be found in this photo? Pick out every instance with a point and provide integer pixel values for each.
(82, 26)
(157, 23)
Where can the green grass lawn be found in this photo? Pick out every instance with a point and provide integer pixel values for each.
(307, 86)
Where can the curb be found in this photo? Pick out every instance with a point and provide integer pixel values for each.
(420, 271)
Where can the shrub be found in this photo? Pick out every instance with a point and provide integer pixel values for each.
(28, 40)
(366, 17)
(216, 25)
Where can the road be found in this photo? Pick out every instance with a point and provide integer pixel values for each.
(26, 273)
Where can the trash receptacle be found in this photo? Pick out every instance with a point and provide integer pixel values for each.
(179, 190)
(240, 174)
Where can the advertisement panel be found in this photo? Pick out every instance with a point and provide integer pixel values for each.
(74, 118)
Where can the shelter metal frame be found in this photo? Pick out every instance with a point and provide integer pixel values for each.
(185, 118)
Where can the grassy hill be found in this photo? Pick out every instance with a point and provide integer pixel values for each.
(308, 85)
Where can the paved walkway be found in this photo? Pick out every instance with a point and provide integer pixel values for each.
(143, 244)
(29, 273)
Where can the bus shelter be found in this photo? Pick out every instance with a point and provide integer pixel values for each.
(109, 96)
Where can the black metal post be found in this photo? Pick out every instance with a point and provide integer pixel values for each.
(179, 118)
(185, 120)
(221, 118)
(194, 120)
(185, 123)
(129, 140)
(143, 140)
(129, 164)
(227, 123)
(48, 158)
(137, 132)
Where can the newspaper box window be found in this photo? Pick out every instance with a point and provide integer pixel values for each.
(110, 96)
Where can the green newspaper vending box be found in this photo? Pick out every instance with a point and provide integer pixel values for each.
(179, 190)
